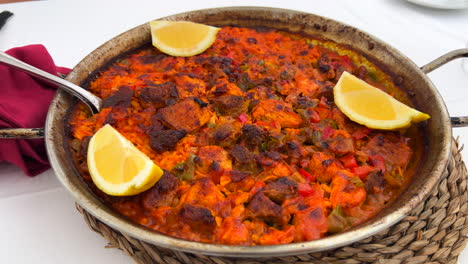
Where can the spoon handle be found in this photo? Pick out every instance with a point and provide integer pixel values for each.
(92, 101)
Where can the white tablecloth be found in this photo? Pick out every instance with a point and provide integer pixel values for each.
(39, 223)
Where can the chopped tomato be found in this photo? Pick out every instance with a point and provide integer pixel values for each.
(362, 171)
(307, 175)
(243, 118)
(327, 133)
(349, 161)
(314, 116)
(305, 189)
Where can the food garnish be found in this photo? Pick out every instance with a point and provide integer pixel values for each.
(117, 167)
(182, 38)
(368, 105)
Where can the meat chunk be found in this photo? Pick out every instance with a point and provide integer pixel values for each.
(226, 134)
(189, 87)
(235, 180)
(121, 98)
(164, 140)
(375, 182)
(186, 115)
(244, 160)
(224, 87)
(161, 95)
(260, 92)
(210, 154)
(391, 148)
(341, 144)
(263, 208)
(253, 135)
(231, 105)
(198, 218)
(204, 193)
(310, 224)
(162, 193)
(323, 166)
(269, 159)
(280, 189)
(344, 192)
(241, 154)
(233, 232)
(278, 111)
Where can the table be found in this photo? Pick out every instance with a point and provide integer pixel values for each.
(39, 222)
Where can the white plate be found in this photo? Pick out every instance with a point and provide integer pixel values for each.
(442, 4)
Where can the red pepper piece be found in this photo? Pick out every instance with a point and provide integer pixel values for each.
(305, 190)
(243, 118)
(349, 161)
(307, 175)
(361, 132)
(362, 171)
(314, 116)
(378, 162)
(327, 132)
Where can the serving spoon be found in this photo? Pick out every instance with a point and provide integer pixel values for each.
(92, 101)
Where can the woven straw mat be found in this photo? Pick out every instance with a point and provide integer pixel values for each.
(435, 232)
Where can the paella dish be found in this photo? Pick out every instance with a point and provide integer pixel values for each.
(253, 148)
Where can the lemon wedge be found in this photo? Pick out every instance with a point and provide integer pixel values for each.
(117, 167)
(182, 38)
(371, 107)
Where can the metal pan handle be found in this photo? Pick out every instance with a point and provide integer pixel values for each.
(21, 133)
(460, 121)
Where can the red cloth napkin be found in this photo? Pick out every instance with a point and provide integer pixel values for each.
(24, 102)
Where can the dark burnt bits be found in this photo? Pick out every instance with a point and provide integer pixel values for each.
(280, 189)
(162, 193)
(151, 58)
(324, 63)
(121, 98)
(269, 158)
(225, 135)
(164, 140)
(327, 162)
(198, 218)
(218, 64)
(262, 207)
(292, 149)
(241, 154)
(220, 90)
(200, 102)
(253, 135)
(160, 95)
